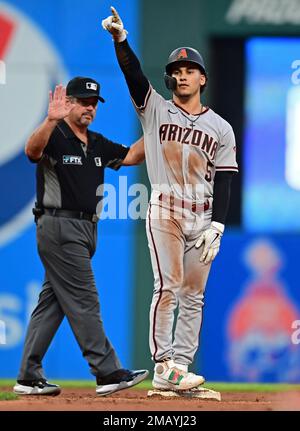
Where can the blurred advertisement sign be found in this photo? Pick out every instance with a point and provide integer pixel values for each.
(250, 17)
(260, 322)
(274, 12)
(32, 67)
(251, 325)
(2, 332)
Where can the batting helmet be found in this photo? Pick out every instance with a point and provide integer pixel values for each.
(185, 54)
(180, 55)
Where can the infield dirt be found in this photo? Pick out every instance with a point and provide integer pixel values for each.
(137, 400)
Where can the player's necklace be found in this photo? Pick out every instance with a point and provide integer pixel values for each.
(192, 125)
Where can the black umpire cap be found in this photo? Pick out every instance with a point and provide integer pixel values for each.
(83, 87)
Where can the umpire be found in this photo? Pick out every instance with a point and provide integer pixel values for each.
(70, 167)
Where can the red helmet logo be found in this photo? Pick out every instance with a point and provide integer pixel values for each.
(182, 54)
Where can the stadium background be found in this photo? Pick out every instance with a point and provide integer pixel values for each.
(253, 297)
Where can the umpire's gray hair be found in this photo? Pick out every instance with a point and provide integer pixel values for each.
(72, 99)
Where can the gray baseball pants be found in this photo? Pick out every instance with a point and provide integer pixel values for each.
(66, 247)
(179, 281)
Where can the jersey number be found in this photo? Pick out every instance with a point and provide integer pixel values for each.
(209, 166)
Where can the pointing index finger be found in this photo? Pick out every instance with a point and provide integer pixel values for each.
(115, 13)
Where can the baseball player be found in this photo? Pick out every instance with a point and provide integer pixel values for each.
(190, 156)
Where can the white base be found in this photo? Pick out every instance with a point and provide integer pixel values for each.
(200, 393)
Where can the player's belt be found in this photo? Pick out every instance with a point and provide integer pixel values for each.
(195, 207)
(80, 215)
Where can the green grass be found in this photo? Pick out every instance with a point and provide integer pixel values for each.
(8, 396)
(217, 386)
(251, 387)
(239, 387)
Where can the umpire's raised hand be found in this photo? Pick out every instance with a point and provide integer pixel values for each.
(114, 25)
(60, 106)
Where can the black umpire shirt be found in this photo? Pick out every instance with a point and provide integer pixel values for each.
(69, 172)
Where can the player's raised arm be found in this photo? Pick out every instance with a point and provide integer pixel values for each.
(137, 82)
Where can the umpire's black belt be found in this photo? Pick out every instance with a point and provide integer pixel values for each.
(80, 215)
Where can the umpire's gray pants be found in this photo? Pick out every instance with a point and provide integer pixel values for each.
(65, 247)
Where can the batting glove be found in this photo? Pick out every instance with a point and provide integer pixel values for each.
(115, 26)
(211, 238)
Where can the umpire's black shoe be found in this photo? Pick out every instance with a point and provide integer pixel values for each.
(36, 387)
(118, 380)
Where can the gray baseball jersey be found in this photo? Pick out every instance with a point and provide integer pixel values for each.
(184, 151)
